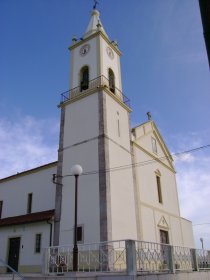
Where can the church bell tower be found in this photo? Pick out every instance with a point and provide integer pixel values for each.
(95, 133)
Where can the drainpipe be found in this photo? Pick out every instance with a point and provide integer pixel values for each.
(50, 223)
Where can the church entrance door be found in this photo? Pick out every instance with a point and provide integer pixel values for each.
(164, 237)
(164, 248)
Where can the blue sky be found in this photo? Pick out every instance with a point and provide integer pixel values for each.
(164, 71)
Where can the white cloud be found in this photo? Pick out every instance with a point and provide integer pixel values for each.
(184, 158)
(194, 192)
(193, 180)
(26, 143)
(194, 189)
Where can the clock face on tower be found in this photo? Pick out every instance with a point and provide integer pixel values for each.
(110, 52)
(84, 50)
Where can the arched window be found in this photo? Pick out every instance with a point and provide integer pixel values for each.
(84, 78)
(111, 81)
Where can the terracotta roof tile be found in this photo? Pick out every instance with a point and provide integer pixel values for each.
(28, 218)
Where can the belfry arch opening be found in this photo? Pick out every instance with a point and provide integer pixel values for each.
(111, 80)
(84, 78)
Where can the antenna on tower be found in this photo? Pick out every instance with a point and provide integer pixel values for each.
(95, 4)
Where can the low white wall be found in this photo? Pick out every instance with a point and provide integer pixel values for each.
(187, 233)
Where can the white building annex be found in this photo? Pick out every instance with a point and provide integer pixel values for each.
(128, 188)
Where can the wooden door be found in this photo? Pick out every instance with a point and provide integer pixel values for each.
(14, 250)
(164, 237)
(164, 248)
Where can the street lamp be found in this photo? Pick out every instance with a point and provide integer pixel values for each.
(201, 240)
(76, 170)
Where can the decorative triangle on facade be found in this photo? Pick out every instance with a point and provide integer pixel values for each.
(163, 223)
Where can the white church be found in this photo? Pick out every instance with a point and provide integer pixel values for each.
(128, 186)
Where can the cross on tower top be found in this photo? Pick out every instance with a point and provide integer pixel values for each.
(95, 4)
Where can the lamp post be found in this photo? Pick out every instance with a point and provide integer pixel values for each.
(201, 240)
(76, 170)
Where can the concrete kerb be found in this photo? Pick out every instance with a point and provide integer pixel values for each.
(204, 275)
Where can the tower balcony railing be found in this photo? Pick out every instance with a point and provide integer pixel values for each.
(99, 82)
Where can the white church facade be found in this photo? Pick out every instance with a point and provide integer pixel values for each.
(128, 186)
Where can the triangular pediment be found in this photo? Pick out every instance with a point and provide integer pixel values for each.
(147, 133)
(163, 223)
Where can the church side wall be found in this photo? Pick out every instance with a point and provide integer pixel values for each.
(38, 183)
(14, 193)
(187, 233)
(176, 232)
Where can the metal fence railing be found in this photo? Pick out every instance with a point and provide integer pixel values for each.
(126, 256)
(14, 273)
(183, 259)
(99, 82)
(101, 257)
(152, 257)
(203, 259)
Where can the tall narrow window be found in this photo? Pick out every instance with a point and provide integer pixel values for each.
(118, 123)
(1, 207)
(29, 203)
(84, 78)
(111, 81)
(160, 199)
(154, 145)
(118, 127)
(38, 241)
